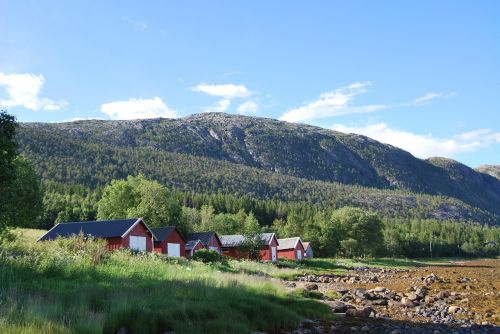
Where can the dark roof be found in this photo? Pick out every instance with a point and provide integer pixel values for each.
(98, 229)
(236, 240)
(161, 233)
(204, 237)
(191, 243)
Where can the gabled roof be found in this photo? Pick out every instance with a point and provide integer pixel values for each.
(97, 229)
(236, 240)
(289, 243)
(306, 244)
(191, 244)
(162, 233)
(204, 237)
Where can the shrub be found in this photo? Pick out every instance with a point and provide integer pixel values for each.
(307, 294)
(84, 246)
(208, 256)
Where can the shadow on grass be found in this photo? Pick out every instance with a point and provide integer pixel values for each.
(92, 300)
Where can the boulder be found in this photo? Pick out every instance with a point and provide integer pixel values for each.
(311, 287)
(443, 294)
(407, 302)
(338, 307)
(363, 313)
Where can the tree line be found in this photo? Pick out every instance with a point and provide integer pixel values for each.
(332, 230)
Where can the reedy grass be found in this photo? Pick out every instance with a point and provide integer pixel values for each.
(51, 288)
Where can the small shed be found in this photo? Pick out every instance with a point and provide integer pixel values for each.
(268, 251)
(308, 250)
(169, 240)
(121, 233)
(291, 248)
(192, 246)
(210, 240)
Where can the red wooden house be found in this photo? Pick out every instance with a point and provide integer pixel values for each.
(210, 240)
(231, 246)
(169, 240)
(192, 246)
(291, 248)
(121, 233)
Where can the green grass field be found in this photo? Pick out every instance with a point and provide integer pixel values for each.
(53, 287)
(66, 287)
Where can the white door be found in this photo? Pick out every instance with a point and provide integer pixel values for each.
(273, 254)
(299, 255)
(174, 250)
(138, 243)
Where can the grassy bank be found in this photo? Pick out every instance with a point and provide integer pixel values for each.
(53, 287)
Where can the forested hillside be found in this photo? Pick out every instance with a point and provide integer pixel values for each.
(262, 158)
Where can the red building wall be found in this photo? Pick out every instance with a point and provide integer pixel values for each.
(266, 252)
(291, 253)
(174, 238)
(114, 243)
(141, 231)
(214, 242)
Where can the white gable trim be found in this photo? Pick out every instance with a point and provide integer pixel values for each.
(134, 224)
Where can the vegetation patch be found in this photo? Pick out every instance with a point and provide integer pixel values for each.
(56, 287)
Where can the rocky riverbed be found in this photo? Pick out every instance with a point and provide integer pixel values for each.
(456, 297)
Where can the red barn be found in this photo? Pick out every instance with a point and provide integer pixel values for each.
(291, 248)
(121, 233)
(169, 240)
(192, 247)
(268, 252)
(210, 240)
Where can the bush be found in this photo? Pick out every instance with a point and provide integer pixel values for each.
(307, 294)
(86, 247)
(208, 256)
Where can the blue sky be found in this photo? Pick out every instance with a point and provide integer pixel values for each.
(421, 75)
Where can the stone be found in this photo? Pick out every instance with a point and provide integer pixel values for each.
(407, 302)
(380, 289)
(379, 302)
(365, 328)
(311, 287)
(338, 307)
(429, 299)
(453, 309)
(364, 313)
(443, 295)
(412, 296)
(342, 291)
(361, 293)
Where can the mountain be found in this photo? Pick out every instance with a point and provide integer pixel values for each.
(493, 170)
(262, 157)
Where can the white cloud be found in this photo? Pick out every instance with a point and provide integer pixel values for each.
(139, 25)
(227, 91)
(334, 103)
(138, 108)
(221, 106)
(427, 98)
(247, 107)
(424, 146)
(24, 90)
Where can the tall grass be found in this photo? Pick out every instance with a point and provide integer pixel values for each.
(59, 287)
